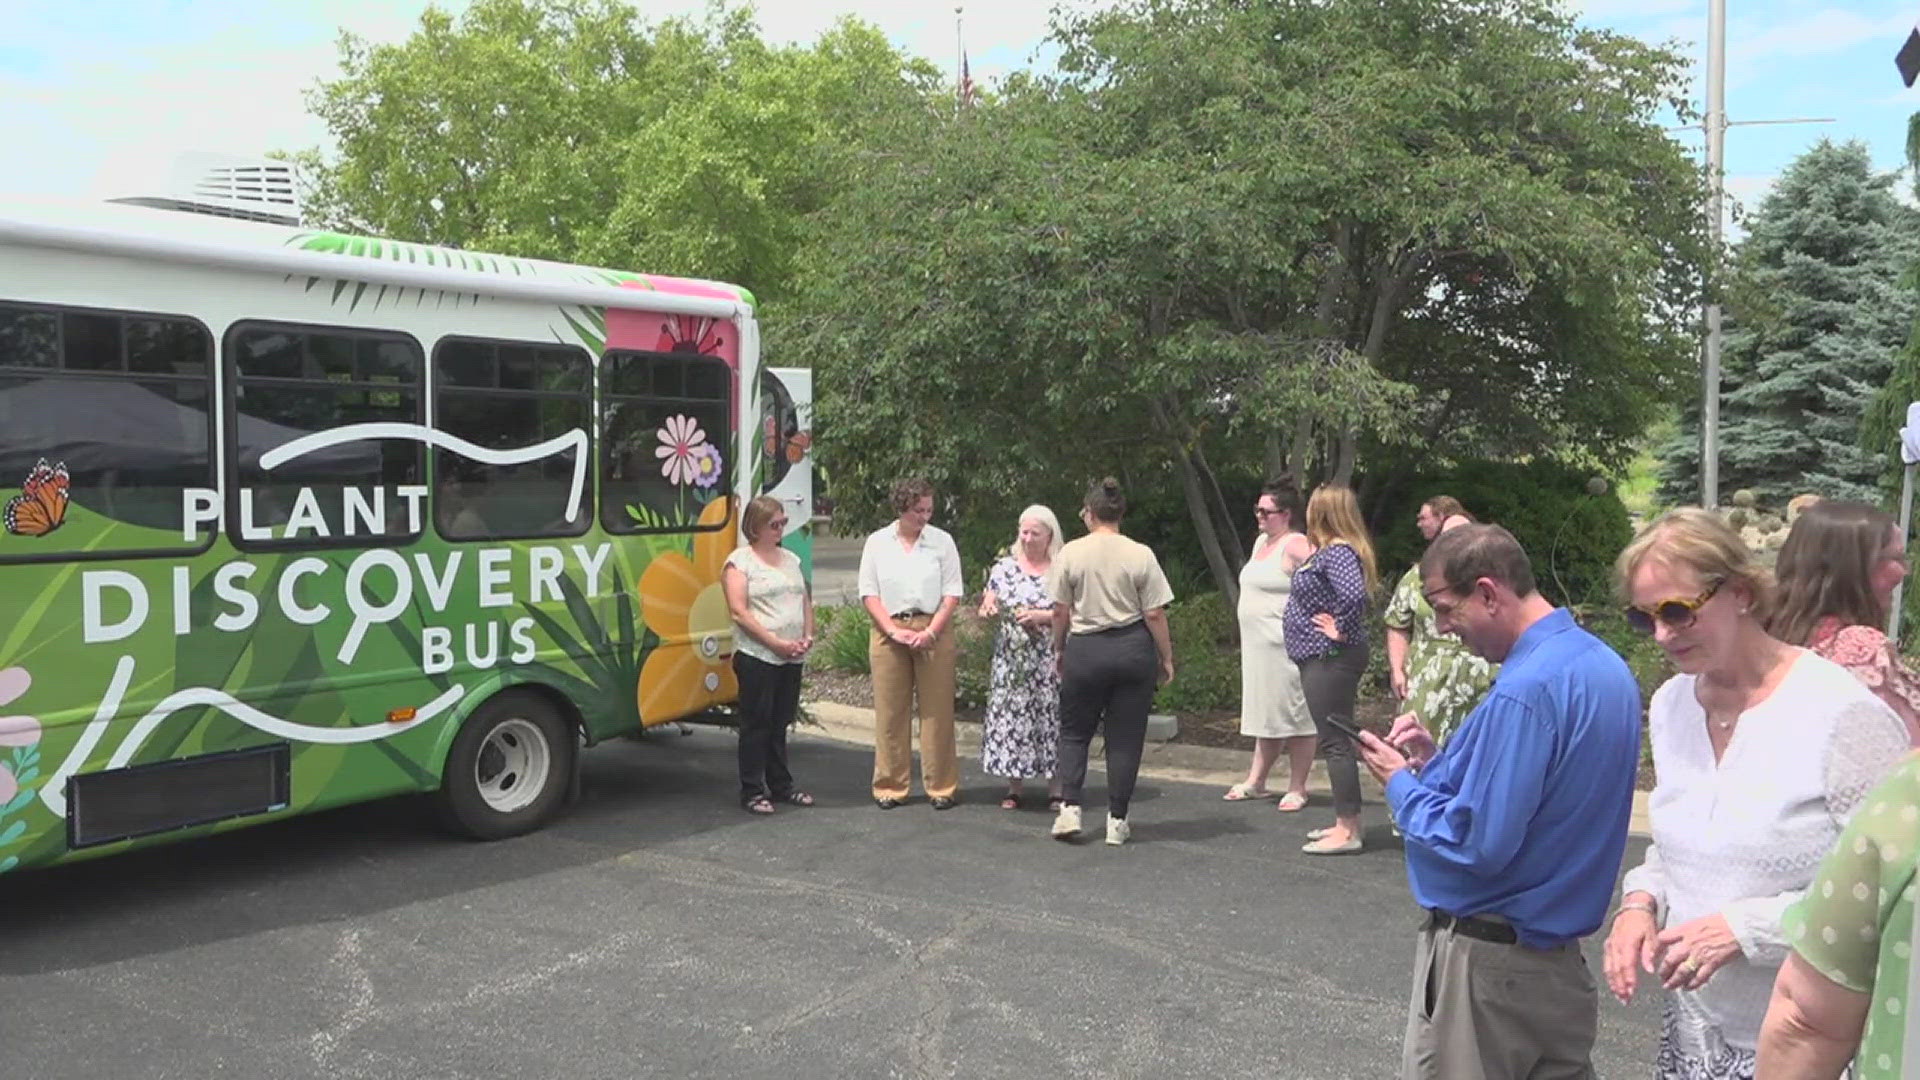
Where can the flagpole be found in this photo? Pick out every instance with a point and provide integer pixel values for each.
(959, 57)
(1716, 124)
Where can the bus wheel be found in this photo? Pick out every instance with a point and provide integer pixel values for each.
(509, 768)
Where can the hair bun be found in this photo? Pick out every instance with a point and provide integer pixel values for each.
(1109, 485)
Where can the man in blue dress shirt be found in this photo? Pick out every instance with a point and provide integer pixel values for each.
(1514, 832)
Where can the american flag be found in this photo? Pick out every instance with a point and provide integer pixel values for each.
(966, 81)
(1908, 58)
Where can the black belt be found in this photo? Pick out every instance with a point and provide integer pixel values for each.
(907, 614)
(1498, 933)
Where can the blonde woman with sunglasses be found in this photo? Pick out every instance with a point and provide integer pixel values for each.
(1763, 750)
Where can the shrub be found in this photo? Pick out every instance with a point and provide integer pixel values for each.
(973, 673)
(1571, 534)
(842, 634)
(1206, 662)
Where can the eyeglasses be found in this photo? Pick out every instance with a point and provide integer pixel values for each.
(1676, 614)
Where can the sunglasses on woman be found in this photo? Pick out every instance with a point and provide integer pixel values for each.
(1676, 614)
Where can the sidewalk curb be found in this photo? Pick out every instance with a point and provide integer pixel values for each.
(1165, 761)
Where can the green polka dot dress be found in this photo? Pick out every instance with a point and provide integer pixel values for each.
(1855, 924)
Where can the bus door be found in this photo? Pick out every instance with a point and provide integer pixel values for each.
(786, 428)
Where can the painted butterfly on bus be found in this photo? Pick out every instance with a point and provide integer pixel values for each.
(41, 506)
(795, 445)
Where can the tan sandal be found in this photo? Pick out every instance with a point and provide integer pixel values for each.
(1292, 803)
(1242, 792)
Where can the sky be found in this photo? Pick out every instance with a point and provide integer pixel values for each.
(93, 92)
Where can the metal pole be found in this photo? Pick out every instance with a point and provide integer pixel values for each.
(959, 57)
(1716, 122)
(1906, 523)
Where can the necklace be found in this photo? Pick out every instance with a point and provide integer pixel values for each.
(1723, 725)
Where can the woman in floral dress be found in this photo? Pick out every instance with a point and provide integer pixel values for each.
(1021, 733)
(1836, 573)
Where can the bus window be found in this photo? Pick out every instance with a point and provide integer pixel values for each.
(104, 421)
(508, 396)
(665, 439)
(290, 381)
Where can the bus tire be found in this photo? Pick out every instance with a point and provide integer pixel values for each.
(509, 768)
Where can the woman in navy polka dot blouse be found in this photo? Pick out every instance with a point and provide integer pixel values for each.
(1326, 631)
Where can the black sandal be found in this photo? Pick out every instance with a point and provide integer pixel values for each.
(797, 798)
(759, 804)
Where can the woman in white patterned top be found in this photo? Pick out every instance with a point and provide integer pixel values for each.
(772, 631)
(1763, 750)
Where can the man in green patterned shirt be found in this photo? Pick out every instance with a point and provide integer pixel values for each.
(1434, 675)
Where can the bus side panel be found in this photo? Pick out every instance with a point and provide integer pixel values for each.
(363, 659)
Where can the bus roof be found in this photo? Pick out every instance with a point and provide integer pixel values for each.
(206, 239)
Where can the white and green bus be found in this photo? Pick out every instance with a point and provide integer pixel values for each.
(295, 519)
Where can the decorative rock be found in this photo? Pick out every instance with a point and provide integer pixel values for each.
(1745, 498)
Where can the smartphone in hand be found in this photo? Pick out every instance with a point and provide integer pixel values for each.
(1344, 726)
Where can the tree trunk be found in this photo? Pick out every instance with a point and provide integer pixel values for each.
(1276, 456)
(1236, 554)
(1345, 455)
(1201, 514)
(1300, 455)
(1203, 526)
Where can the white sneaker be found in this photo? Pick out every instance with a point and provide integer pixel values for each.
(1066, 825)
(1117, 830)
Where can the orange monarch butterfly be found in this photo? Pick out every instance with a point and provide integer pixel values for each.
(41, 506)
(797, 443)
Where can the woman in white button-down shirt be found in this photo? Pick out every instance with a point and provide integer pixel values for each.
(1763, 750)
(910, 585)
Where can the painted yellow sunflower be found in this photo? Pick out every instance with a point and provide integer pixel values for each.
(681, 600)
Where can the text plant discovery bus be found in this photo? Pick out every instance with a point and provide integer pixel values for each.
(295, 519)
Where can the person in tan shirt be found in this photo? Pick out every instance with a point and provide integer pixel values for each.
(1110, 635)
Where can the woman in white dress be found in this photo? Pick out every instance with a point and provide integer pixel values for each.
(1763, 750)
(1273, 708)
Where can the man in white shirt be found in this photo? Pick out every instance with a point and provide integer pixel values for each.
(910, 586)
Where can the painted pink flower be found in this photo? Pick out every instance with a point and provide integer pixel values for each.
(680, 438)
(16, 730)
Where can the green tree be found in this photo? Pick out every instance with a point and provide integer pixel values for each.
(1880, 427)
(1819, 310)
(573, 130)
(1228, 231)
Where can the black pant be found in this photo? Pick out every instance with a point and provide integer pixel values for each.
(1331, 683)
(1108, 677)
(769, 698)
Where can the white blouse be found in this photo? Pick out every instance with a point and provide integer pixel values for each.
(1743, 837)
(777, 597)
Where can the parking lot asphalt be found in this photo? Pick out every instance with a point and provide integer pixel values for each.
(658, 931)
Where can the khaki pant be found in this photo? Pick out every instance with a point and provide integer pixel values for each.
(900, 675)
(1485, 1011)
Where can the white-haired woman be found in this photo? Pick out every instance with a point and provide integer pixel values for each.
(1021, 733)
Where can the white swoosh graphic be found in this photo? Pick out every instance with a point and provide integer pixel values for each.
(53, 793)
(575, 440)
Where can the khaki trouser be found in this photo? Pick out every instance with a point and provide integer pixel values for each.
(1485, 1011)
(900, 675)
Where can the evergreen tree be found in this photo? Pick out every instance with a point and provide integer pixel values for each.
(1819, 308)
(1880, 429)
